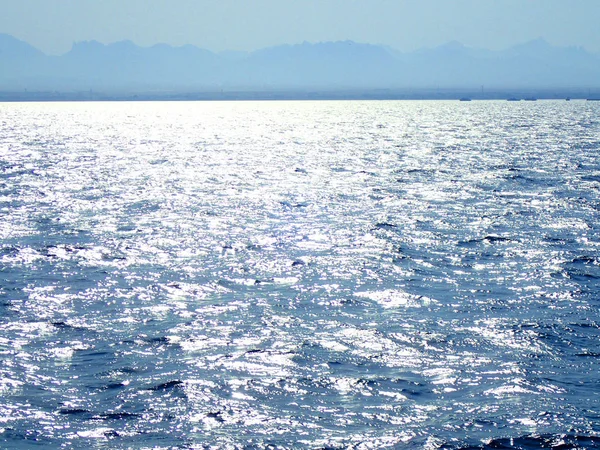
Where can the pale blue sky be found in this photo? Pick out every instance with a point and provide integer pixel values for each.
(53, 25)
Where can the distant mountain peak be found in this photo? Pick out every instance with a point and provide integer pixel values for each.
(12, 47)
(541, 49)
(125, 43)
(328, 64)
(535, 44)
(86, 45)
(452, 45)
(448, 47)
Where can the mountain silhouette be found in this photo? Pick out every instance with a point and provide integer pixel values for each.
(125, 66)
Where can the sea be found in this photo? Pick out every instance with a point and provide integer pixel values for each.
(300, 274)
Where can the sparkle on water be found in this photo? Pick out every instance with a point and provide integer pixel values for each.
(300, 274)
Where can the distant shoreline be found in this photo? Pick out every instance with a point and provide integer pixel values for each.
(298, 94)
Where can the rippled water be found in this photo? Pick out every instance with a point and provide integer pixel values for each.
(300, 274)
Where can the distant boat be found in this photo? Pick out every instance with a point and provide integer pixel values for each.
(513, 99)
(530, 99)
(465, 99)
(568, 99)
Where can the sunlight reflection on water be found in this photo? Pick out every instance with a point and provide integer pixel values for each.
(315, 274)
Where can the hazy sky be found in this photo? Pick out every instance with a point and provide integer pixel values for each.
(53, 25)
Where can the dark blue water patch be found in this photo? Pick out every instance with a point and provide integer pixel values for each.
(584, 260)
(76, 412)
(527, 180)
(49, 250)
(87, 415)
(65, 327)
(46, 273)
(586, 145)
(54, 235)
(554, 336)
(10, 171)
(385, 226)
(113, 386)
(140, 208)
(419, 171)
(13, 204)
(592, 178)
(17, 438)
(583, 268)
(559, 241)
(535, 442)
(585, 338)
(116, 416)
(291, 205)
(166, 386)
(12, 285)
(312, 352)
(488, 239)
(10, 251)
(588, 325)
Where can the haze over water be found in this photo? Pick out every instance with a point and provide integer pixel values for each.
(299, 274)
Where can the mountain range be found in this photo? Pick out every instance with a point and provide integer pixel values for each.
(125, 66)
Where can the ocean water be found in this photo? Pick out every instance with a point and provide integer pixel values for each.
(300, 275)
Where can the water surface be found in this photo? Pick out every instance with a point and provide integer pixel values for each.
(300, 275)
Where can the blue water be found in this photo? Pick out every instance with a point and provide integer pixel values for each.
(300, 275)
